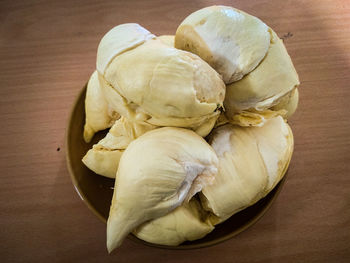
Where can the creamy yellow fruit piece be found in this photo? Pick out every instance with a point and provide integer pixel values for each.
(264, 87)
(231, 41)
(118, 40)
(167, 87)
(157, 172)
(98, 115)
(103, 161)
(252, 160)
(288, 103)
(187, 222)
(103, 158)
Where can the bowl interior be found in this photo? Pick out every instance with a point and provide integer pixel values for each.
(96, 191)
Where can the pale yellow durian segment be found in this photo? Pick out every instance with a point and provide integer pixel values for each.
(168, 40)
(289, 103)
(187, 222)
(98, 116)
(103, 161)
(276, 145)
(251, 162)
(103, 157)
(264, 86)
(157, 172)
(167, 87)
(116, 101)
(202, 125)
(123, 132)
(231, 41)
(118, 40)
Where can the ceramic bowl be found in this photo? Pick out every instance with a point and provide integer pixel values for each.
(96, 191)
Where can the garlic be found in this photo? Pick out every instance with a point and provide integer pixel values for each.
(231, 41)
(98, 116)
(251, 162)
(157, 173)
(186, 223)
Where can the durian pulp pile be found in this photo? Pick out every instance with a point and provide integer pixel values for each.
(198, 123)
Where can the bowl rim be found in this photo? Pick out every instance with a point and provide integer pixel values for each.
(68, 155)
(275, 191)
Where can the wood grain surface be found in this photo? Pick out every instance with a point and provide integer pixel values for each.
(48, 51)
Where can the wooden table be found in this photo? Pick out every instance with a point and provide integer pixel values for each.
(48, 51)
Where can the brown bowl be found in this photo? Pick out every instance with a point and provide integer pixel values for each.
(96, 191)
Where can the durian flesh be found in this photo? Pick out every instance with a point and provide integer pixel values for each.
(272, 81)
(152, 84)
(149, 89)
(231, 41)
(98, 115)
(251, 162)
(103, 158)
(118, 40)
(157, 173)
(288, 103)
(187, 222)
(249, 55)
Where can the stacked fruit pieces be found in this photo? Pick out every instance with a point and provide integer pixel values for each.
(197, 123)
